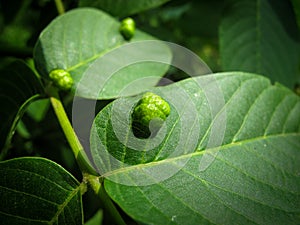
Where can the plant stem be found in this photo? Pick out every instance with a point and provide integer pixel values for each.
(114, 216)
(89, 174)
(60, 7)
(70, 134)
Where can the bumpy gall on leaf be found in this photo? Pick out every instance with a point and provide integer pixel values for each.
(153, 109)
(61, 79)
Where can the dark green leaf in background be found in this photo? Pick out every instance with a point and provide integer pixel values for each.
(77, 39)
(123, 8)
(37, 110)
(18, 87)
(38, 191)
(201, 13)
(261, 37)
(254, 177)
(296, 5)
(16, 26)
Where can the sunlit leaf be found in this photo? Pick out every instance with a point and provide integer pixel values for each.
(78, 41)
(231, 162)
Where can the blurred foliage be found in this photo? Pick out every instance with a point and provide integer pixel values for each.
(190, 23)
(193, 24)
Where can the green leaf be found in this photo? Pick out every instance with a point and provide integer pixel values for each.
(37, 110)
(261, 37)
(86, 42)
(123, 8)
(216, 162)
(38, 191)
(19, 87)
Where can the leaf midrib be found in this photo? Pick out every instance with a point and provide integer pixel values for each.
(94, 57)
(64, 204)
(196, 153)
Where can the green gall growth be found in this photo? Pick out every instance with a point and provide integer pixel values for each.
(127, 28)
(61, 79)
(149, 114)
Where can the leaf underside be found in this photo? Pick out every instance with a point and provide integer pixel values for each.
(38, 191)
(250, 176)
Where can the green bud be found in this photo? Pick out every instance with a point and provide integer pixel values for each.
(151, 110)
(61, 79)
(127, 28)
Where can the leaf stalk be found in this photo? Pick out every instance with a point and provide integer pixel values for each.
(70, 134)
(60, 7)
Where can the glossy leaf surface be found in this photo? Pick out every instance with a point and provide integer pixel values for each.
(232, 162)
(85, 42)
